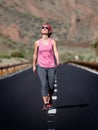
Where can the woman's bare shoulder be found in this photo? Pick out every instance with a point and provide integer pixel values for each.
(53, 41)
(37, 42)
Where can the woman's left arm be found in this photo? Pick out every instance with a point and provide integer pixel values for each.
(56, 52)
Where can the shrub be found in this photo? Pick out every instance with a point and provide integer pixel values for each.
(66, 57)
(94, 45)
(5, 56)
(17, 53)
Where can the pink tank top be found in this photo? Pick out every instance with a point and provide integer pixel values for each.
(46, 55)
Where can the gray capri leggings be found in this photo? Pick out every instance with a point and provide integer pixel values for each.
(47, 76)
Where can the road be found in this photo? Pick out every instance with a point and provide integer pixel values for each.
(75, 101)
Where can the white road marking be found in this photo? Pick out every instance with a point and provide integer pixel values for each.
(52, 111)
(55, 85)
(88, 69)
(55, 90)
(55, 81)
(54, 97)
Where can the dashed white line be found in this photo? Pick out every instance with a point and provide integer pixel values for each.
(52, 111)
(55, 90)
(55, 85)
(54, 97)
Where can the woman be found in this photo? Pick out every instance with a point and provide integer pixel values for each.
(46, 57)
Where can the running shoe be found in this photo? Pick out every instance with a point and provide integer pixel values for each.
(49, 106)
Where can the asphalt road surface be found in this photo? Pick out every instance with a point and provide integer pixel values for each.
(75, 101)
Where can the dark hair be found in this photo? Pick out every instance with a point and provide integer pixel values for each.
(49, 34)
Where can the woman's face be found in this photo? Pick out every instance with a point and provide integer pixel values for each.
(44, 30)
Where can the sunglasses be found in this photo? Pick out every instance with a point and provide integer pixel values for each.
(45, 28)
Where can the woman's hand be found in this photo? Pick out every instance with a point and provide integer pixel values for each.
(58, 63)
(34, 69)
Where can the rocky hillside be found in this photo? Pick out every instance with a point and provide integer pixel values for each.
(72, 20)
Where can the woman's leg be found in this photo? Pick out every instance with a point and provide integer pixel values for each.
(51, 78)
(43, 78)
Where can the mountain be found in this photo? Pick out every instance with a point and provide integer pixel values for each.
(73, 21)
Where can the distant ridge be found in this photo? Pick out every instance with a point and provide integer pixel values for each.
(72, 20)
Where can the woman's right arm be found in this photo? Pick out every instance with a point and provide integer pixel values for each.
(35, 54)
